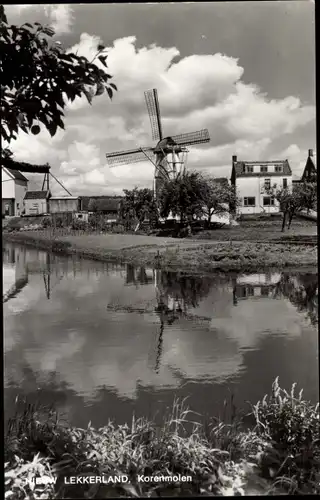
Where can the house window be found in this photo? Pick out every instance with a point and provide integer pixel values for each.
(285, 183)
(267, 183)
(249, 169)
(250, 291)
(264, 169)
(268, 201)
(278, 168)
(249, 201)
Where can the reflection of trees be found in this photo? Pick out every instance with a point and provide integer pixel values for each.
(137, 275)
(186, 291)
(302, 291)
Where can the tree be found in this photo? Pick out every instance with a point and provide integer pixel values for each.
(137, 206)
(38, 78)
(303, 196)
(217, 198)
(181, 196)
(93, 205)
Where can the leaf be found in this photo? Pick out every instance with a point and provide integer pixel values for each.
(112, 85)
(102, 59)
(52, 127)
(101, 47)
(110, 93)
(100, 89)
(88, 96)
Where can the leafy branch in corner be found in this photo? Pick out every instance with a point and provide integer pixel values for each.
(39, 78)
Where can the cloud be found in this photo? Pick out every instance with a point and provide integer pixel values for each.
(60, 17)
(195, 92)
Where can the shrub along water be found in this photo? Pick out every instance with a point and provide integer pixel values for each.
(280, 454)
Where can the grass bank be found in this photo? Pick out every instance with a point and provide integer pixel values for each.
(280, 454)
(190, 255)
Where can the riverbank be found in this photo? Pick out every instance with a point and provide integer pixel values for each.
(279, 455)
(292, 249)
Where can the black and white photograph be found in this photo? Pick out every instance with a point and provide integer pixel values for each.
(159, 234)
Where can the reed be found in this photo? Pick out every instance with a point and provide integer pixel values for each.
(280, 454)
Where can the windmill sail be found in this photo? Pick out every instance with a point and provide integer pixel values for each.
(199, 137)
(129, 156)
(167, 155)
(152, 102)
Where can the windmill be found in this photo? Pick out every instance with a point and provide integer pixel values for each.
(169, 154)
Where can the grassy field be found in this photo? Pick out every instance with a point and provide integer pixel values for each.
(251, 246)
(279, 454)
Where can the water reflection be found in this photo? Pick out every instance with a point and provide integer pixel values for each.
(107, 339)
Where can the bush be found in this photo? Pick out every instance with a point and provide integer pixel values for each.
(79, 225)
(117, 228)
(46, 222)
(291, 427)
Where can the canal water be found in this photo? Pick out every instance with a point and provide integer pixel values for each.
(103, 341)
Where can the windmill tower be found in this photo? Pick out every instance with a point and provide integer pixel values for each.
(169, 154)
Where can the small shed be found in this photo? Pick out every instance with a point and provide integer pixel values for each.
(63, 204)
(36, 202)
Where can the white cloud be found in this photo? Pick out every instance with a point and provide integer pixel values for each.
(194, 92)
(61, 17)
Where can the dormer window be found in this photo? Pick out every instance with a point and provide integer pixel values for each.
(264, 169)
(278, 168)
(249, 169)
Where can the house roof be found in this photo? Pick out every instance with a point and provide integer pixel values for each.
(240, 168)
(103, 203)
(16, 174)
(37, 195)
(310, 169)
(59, 198)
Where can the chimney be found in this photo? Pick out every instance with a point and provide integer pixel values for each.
(234, 159)
(310, 152)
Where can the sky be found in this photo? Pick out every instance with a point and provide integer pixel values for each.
(245, 71)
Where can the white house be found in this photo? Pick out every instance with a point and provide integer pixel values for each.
(253, 179)
(36, 202)
(14, 187)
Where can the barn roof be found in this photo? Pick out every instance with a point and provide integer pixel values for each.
(221, 180)
(103, 203)
(37, 195)
(59, 198)
(16, 175)
(240, 168)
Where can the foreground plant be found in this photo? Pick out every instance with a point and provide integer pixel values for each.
(281, 454)
(291, 428)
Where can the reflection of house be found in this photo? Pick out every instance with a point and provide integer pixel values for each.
(15, 275)
(256, 285)
(253, 181)
(107, 205)
(36, 202)
(310, 170)
(14, 186)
